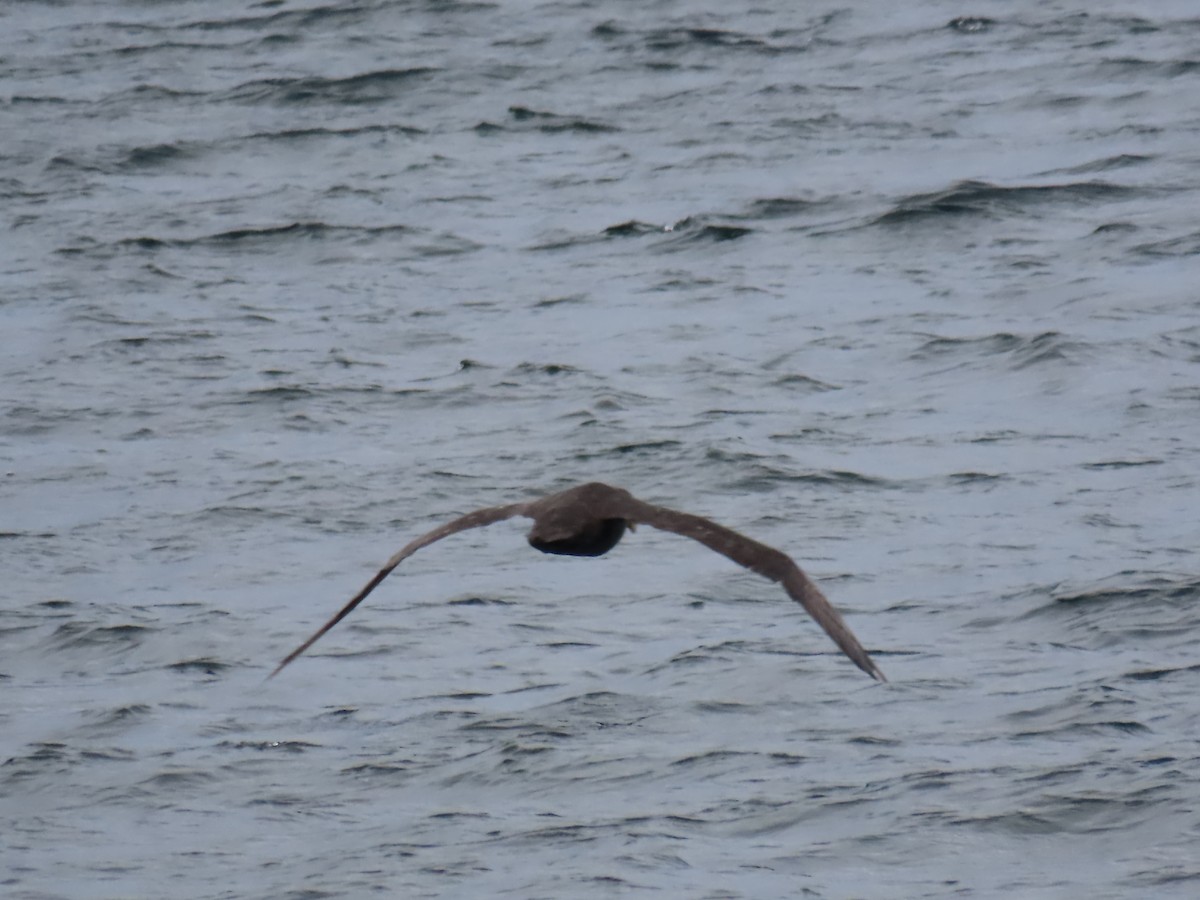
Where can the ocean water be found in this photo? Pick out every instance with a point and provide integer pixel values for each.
(910, 293)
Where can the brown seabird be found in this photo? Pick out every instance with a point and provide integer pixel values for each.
(590, 519)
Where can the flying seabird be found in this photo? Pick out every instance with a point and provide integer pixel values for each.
(590, 519)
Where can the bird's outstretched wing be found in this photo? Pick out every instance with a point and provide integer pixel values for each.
(766, 561)
(476, 519)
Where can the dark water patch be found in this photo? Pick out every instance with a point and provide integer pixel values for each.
(376, 770)
(872, 740)
(983, 479)
(723, 707)
(1122, 464)
(294, 746)
(445, 244)
(1043, 348)
(514, 759)
(637, 450)
(146, 94)
(844, 479)
(17, 189)
(644, 446)
(460, 696)
(308, 894)
(688, 231)
(368, 88)
(608, 30)
(499, 725)
(271, 238)
(1056, 775)
(1158, 761)
(63, 162)
(108, 754)
(1096, 705)
(779, 208)
(1104, 164)
(285, 395)
(330, 15)
(42, 755)
(32, 421)
(1185, 245)
(13, 630)
(177, 779)
(1160, 589)
(154, 157)
(597, 709)
(699, 656)
(718, 414)
(1100, 520)
(1183, 344)
(981, 198)
(56, 760)
(1165, 874)
(1015, 437)
(157, 156)
(522, 118)
(528, 368)
(231, 513)
(552, 835)
(762, 478)
(614, 882)
(1092, 812)
(479, 601)
(682, 40)
(18, 100)
(283, 801)
(156, 45)
(305, 134)
(740, 457)
(162, 337)
(1019, 351)
(205, 665)
(1115, 228)
(1083, 730)
(564, 300)
(541, 686)
(632, 228)
(1123, 68)
(77, 635)
(1135, 24)
(788, 759)
(1018, 823)
(971, 24)
(119, 717)
(1159, 674)
(698, 230)
(804, 384)
(286, 233)
(1145, 611)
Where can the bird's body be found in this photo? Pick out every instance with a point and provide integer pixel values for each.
(589, 520)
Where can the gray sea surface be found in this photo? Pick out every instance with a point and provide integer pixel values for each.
(910, 291)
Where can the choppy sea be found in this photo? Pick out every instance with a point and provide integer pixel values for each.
(909, 291)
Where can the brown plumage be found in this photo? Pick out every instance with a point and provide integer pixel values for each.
(590, 519)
